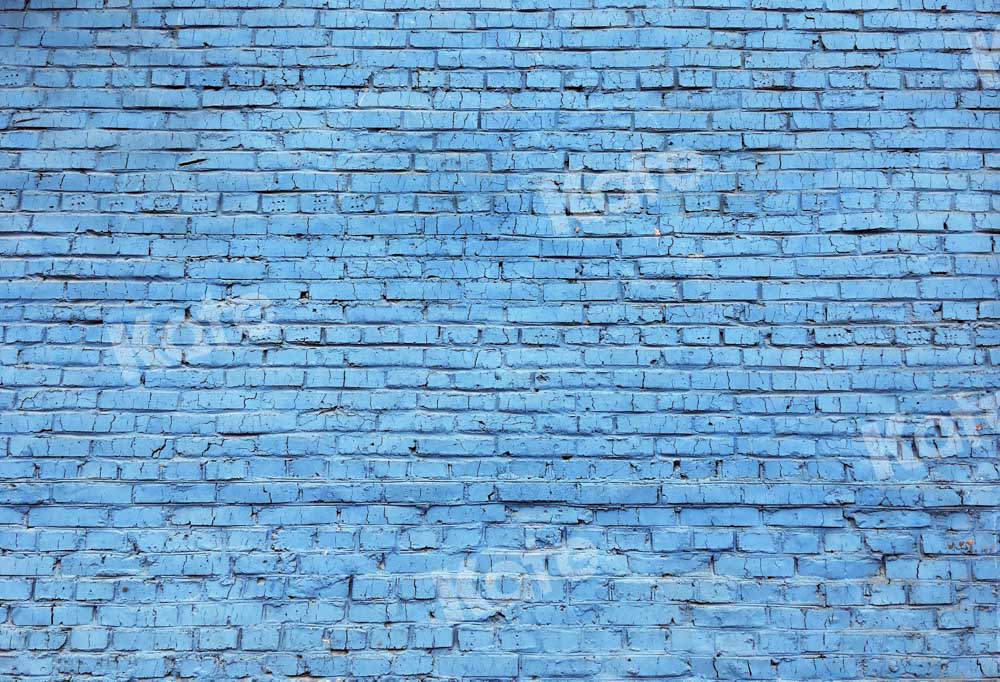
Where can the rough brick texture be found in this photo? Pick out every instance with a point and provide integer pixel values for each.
(499, 339)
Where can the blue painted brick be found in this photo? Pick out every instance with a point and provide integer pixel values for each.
(499, 341)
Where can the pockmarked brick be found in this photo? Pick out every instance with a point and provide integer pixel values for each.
(499, 340)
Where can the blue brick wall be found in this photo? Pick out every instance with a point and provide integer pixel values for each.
(499, 340)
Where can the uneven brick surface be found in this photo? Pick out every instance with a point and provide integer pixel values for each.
(499, 339)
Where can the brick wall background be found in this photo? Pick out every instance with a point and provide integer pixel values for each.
(499, 339)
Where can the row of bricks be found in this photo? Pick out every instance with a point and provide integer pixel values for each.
(537, 257)
(522, 49)
(390, 641)
(260, 330)
(397, 405)
(527, 182)
(535, 110)
(489, 434)
(510, 583)
(595, 199)
(927, 8)
(976, 281)
(319, 507)
(607, 313)
(221, 365)
(717, 459)
(350, 129)
(537, 17)
(610, 174)
(609, 492)
(924, 555)
(639, 565)
(362, 289)
(448, 385)
(281, 72)
(499, 667)
(539, 612)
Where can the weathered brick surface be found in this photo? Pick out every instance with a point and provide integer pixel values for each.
(499, 339)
